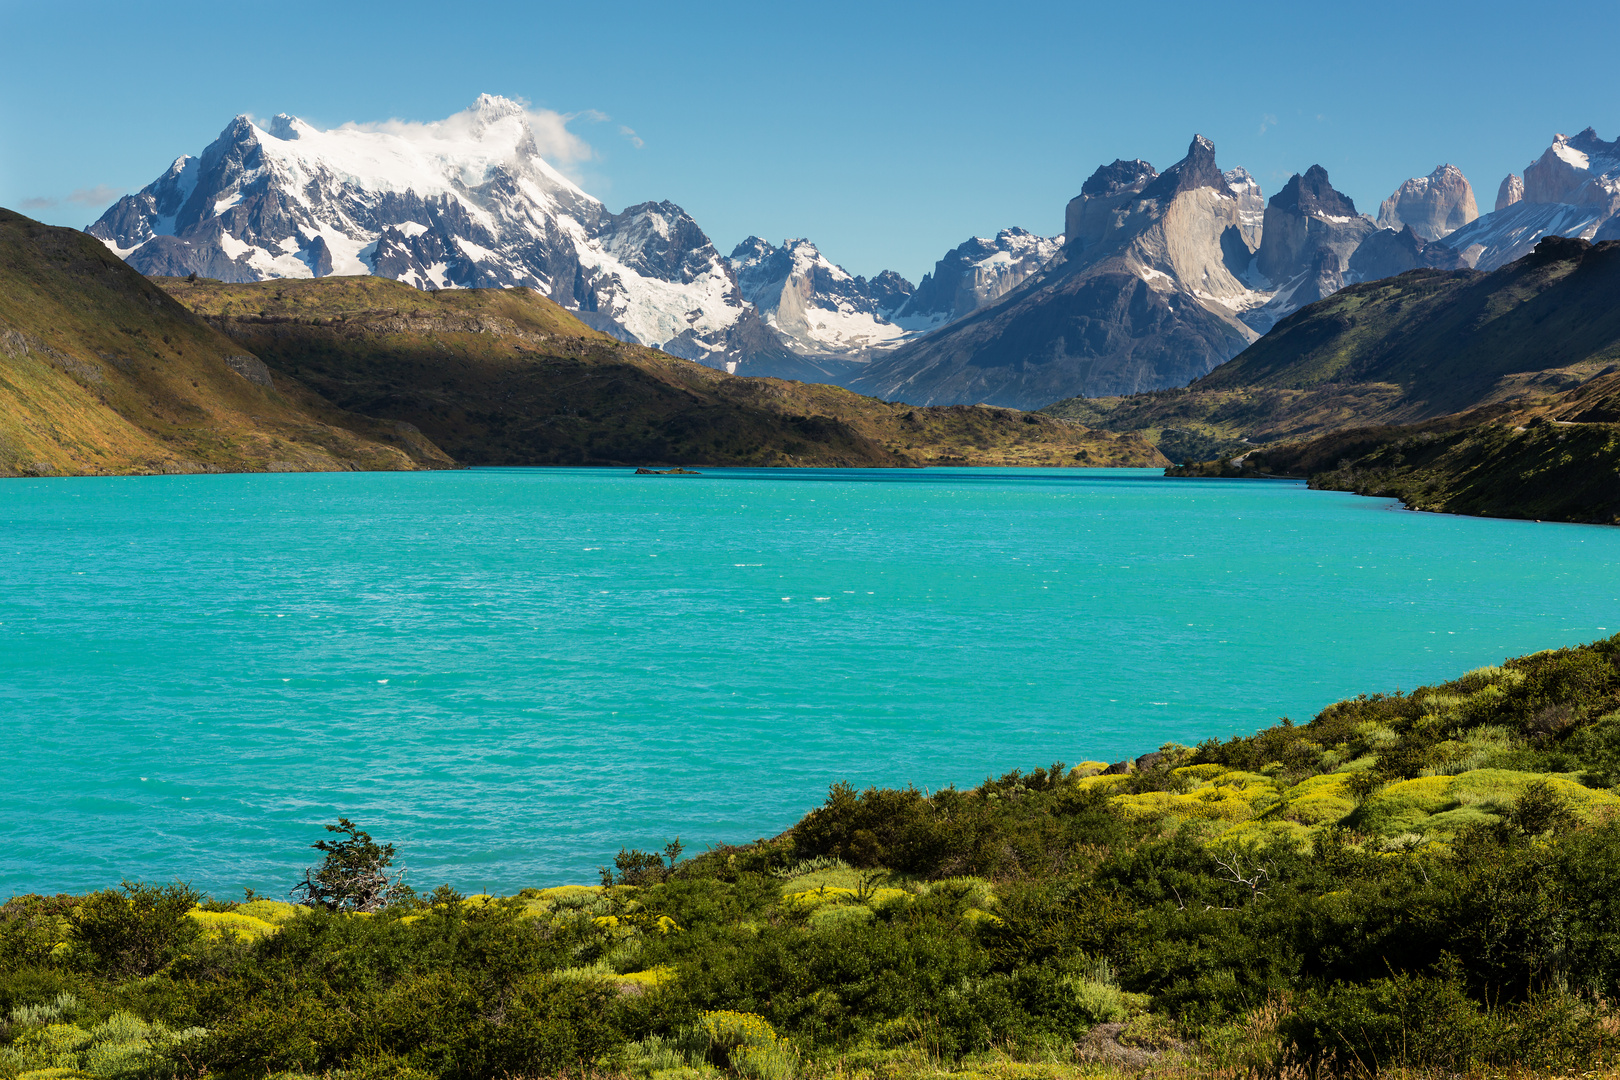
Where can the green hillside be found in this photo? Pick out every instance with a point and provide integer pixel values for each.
(1494, 462)
(506, 377)
(101, 372)
(1449, 339)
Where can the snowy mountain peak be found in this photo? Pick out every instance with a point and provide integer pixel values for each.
(464, 201)
(283, 126)
(1578, 170)
(973, 274)
(491, 107)
(1241, 182)
(1572, 189)
(820, 307)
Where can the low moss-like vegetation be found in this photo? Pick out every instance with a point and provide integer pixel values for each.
(1424, 883)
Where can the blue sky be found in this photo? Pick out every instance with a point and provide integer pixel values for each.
(887, 133)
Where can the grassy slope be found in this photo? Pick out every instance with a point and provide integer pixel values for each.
(1398, 350)
(507, 378)
(101, 372)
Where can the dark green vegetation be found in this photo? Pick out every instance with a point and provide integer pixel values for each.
(1407, 882)
(100, 372)
(509, 378)
(1523, 465)
(1417, 347)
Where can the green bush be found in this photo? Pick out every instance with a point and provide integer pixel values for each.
(1430, 1021)
(134, 932)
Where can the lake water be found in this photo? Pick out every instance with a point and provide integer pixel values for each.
(511, 673)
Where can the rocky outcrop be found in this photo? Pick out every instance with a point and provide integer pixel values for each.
(1510, 191)
(1432, 205)
(1307, 215)
(252, 369)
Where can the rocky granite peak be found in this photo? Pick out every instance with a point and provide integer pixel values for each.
(1301, 219)
(1510, 191)
(889, 290)
(1432, 206)
(1578, 170)
(1118, 176)
(973, 274)
(1196, 170)
(1313, 193)
(1251, 205)
(819, 308)
(1572, 189)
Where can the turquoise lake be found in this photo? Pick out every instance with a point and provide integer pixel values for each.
(511, 673)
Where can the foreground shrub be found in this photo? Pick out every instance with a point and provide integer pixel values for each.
(122, 1047)
(1430, 1021)
(746, 1044)
(134, 932)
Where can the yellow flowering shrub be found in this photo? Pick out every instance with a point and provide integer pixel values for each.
(1216, 794)
(217, 924)
(1319, 800)
(1440, 805)
(748, 1045)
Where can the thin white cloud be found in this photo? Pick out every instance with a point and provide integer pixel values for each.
(1267, 121)
(38, 202)
(100, 195)
(630, 133)
(559, 146)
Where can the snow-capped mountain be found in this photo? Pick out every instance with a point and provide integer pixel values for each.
(1572, 189)
(822, 309)
(973, 274)
(1157, 278)
(467, 201)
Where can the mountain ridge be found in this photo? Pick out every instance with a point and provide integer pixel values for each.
(506, 377)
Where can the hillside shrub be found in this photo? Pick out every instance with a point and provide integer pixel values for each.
(132, 931)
